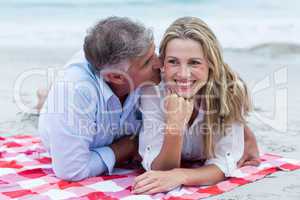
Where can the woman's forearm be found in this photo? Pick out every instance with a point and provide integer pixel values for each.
(170, 154)
(206, 175)
(177, 115)
(152, 182)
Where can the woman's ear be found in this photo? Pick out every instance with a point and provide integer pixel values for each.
(162, 66)
(162, 69)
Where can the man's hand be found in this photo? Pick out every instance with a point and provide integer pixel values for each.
(251, 153)
(125, 148)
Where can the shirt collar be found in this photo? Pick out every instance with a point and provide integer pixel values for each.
(107, 91)
(104, 87)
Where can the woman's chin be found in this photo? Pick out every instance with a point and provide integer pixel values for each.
(186, 95)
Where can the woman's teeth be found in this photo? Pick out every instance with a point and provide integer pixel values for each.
(185, 83)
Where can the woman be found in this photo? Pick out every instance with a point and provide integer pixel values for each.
(198, 113)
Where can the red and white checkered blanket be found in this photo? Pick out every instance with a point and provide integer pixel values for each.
(25, 173)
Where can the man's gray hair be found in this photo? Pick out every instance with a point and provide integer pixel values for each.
(114, 40)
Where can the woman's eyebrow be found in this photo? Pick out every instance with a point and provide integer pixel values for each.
(201, 59)
(171, 57)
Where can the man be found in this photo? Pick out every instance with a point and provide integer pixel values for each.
(91, 110)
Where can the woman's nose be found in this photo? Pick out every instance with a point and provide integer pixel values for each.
(184, 71)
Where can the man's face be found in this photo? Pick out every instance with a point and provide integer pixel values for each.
(145, 70)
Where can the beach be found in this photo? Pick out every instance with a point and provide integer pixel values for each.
(260, 41)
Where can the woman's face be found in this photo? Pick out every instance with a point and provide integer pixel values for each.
(185, 67)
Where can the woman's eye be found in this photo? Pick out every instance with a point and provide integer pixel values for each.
(195, 63)
(172, 61)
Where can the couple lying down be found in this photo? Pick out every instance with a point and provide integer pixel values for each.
(186, 105)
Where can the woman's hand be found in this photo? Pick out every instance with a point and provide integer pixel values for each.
(251, 152)
(152, 182)
(178, 111)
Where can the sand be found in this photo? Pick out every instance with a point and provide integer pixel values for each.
(254, 66)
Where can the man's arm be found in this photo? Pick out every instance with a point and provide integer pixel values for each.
(251, 152)
(125, 148)
(67, 127)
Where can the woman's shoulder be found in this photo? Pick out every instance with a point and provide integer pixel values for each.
(152, 96)
(153, 90)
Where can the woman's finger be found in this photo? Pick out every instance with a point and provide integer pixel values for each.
(155, 190)
(241, 162)
(140, 178)
(254, 162)
(168, 91)
(146, 188)
(143, 183)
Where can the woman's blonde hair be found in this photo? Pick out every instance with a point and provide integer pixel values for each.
(225, 96)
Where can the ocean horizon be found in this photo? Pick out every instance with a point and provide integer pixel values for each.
(237, 24)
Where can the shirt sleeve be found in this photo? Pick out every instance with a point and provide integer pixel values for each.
(69, 123)
(228, 150)
(151, 135)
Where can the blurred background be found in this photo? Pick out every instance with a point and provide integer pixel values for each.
(260, 39)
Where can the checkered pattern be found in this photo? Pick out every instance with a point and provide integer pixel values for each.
(25, 173)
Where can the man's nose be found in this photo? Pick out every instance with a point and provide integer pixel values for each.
(157, 64)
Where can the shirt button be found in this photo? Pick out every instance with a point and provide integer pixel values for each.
(228, 154)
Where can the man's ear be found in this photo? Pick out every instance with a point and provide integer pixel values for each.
(115, 78)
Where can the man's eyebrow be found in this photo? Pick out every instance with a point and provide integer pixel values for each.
(147, 61)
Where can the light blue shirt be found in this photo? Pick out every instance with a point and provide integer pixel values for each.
(81, 117)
